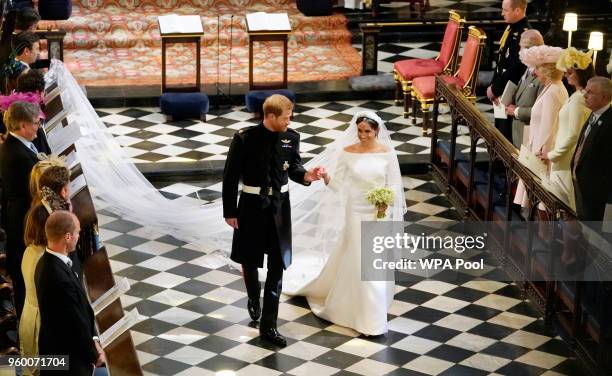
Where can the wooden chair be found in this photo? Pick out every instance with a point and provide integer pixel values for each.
(405, 71)
(423, 88)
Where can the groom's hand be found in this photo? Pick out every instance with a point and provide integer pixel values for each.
(313, 174)
(233, 222)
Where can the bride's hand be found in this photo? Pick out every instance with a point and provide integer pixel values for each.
(326, 177)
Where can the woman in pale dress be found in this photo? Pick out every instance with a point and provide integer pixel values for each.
(572, 116)
(540, 136)
(333, 284)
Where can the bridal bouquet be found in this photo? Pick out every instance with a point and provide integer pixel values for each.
(381, 198)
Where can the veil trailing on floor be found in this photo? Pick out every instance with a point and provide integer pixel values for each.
(117, 186)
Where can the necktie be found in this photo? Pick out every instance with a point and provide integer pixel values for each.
(589, 125)
(502, 41)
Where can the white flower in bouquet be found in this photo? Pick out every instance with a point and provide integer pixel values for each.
(381, 198)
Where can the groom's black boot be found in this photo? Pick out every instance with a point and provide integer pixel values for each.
(253, 287)
(272, 292)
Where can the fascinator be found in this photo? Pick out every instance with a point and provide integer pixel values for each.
(571, 58)
(30, 97)
(539, 55)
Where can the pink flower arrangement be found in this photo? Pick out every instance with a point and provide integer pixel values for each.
(30, 97)
(539, 55)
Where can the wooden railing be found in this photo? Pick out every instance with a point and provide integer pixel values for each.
(528, 250)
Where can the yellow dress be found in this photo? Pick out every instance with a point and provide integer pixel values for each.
(29, 324)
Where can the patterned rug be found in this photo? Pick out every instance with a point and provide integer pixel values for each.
(117, 43)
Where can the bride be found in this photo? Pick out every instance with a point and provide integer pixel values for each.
(329, 274)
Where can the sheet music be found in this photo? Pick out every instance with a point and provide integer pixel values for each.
(499, 110)
(120, 288)
(122, 325)
(528, 159)
(508, 94)
(61, 138)
(71, 160)
(77, 185)
(175, 24)
(260, 21)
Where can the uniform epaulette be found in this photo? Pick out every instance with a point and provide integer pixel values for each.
(292, 131)
(245, 130)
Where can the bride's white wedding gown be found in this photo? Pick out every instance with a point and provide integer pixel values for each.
(337, 293)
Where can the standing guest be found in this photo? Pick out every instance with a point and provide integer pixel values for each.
(29, 322)
(529, 88)
(17, 157)
(264, 157)
(67, 325)
(578, 70)
(545, 111)
(591, 172)
(37, 171)
(509, 67)
(26, 47)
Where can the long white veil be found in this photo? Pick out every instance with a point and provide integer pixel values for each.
(117, 186)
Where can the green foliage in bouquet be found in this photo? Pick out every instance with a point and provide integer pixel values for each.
(381, 198)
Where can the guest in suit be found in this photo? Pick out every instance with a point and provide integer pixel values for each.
(545, 111)
(26, 48)
(578, 70)
(529, 87)
(509, 67)
(17, 157)
(591, 172)
(67, 325)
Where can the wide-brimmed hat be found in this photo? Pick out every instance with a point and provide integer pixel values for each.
(538, 55)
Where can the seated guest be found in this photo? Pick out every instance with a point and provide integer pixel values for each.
(545, 112)
(590, 166)
(18, 155)
(529, 87)
(67, 325)
(578, 70)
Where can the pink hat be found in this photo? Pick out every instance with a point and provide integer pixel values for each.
(538, 55)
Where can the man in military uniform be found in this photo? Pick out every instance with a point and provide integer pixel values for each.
(264, 157)
(509, 67)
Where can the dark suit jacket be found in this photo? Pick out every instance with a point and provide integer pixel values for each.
(66, 318)
(16, 162)
(509, 66)
(593, 182)
(248, 160)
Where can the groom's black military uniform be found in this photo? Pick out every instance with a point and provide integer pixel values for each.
(264, 161)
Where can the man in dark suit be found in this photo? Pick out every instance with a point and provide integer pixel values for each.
(264, 157)
(509, 67)
(67, 325)
(591, 172)
(18, 155)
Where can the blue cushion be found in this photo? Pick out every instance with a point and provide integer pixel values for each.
(55, 9)
(184, 105)
(254, 100)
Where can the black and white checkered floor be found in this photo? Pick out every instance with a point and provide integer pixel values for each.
(147, 137)
(197, 324)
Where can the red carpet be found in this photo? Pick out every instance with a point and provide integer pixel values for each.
(117, 43)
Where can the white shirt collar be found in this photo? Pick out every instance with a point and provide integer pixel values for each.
(65, 259)
(600, 112)
(28, 144)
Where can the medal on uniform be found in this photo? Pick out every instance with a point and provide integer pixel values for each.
(285, 165)
(286, 143)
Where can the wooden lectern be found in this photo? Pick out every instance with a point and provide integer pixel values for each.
(180, 29)
(268, 27)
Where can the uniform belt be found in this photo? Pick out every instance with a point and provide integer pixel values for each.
(257, 190)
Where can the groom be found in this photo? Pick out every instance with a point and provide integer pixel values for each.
(264, 157)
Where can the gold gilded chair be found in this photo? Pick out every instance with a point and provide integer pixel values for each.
(423, 88)
(405, 71)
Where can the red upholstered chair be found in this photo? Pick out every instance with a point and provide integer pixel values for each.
(405, 71)
(423, 88)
